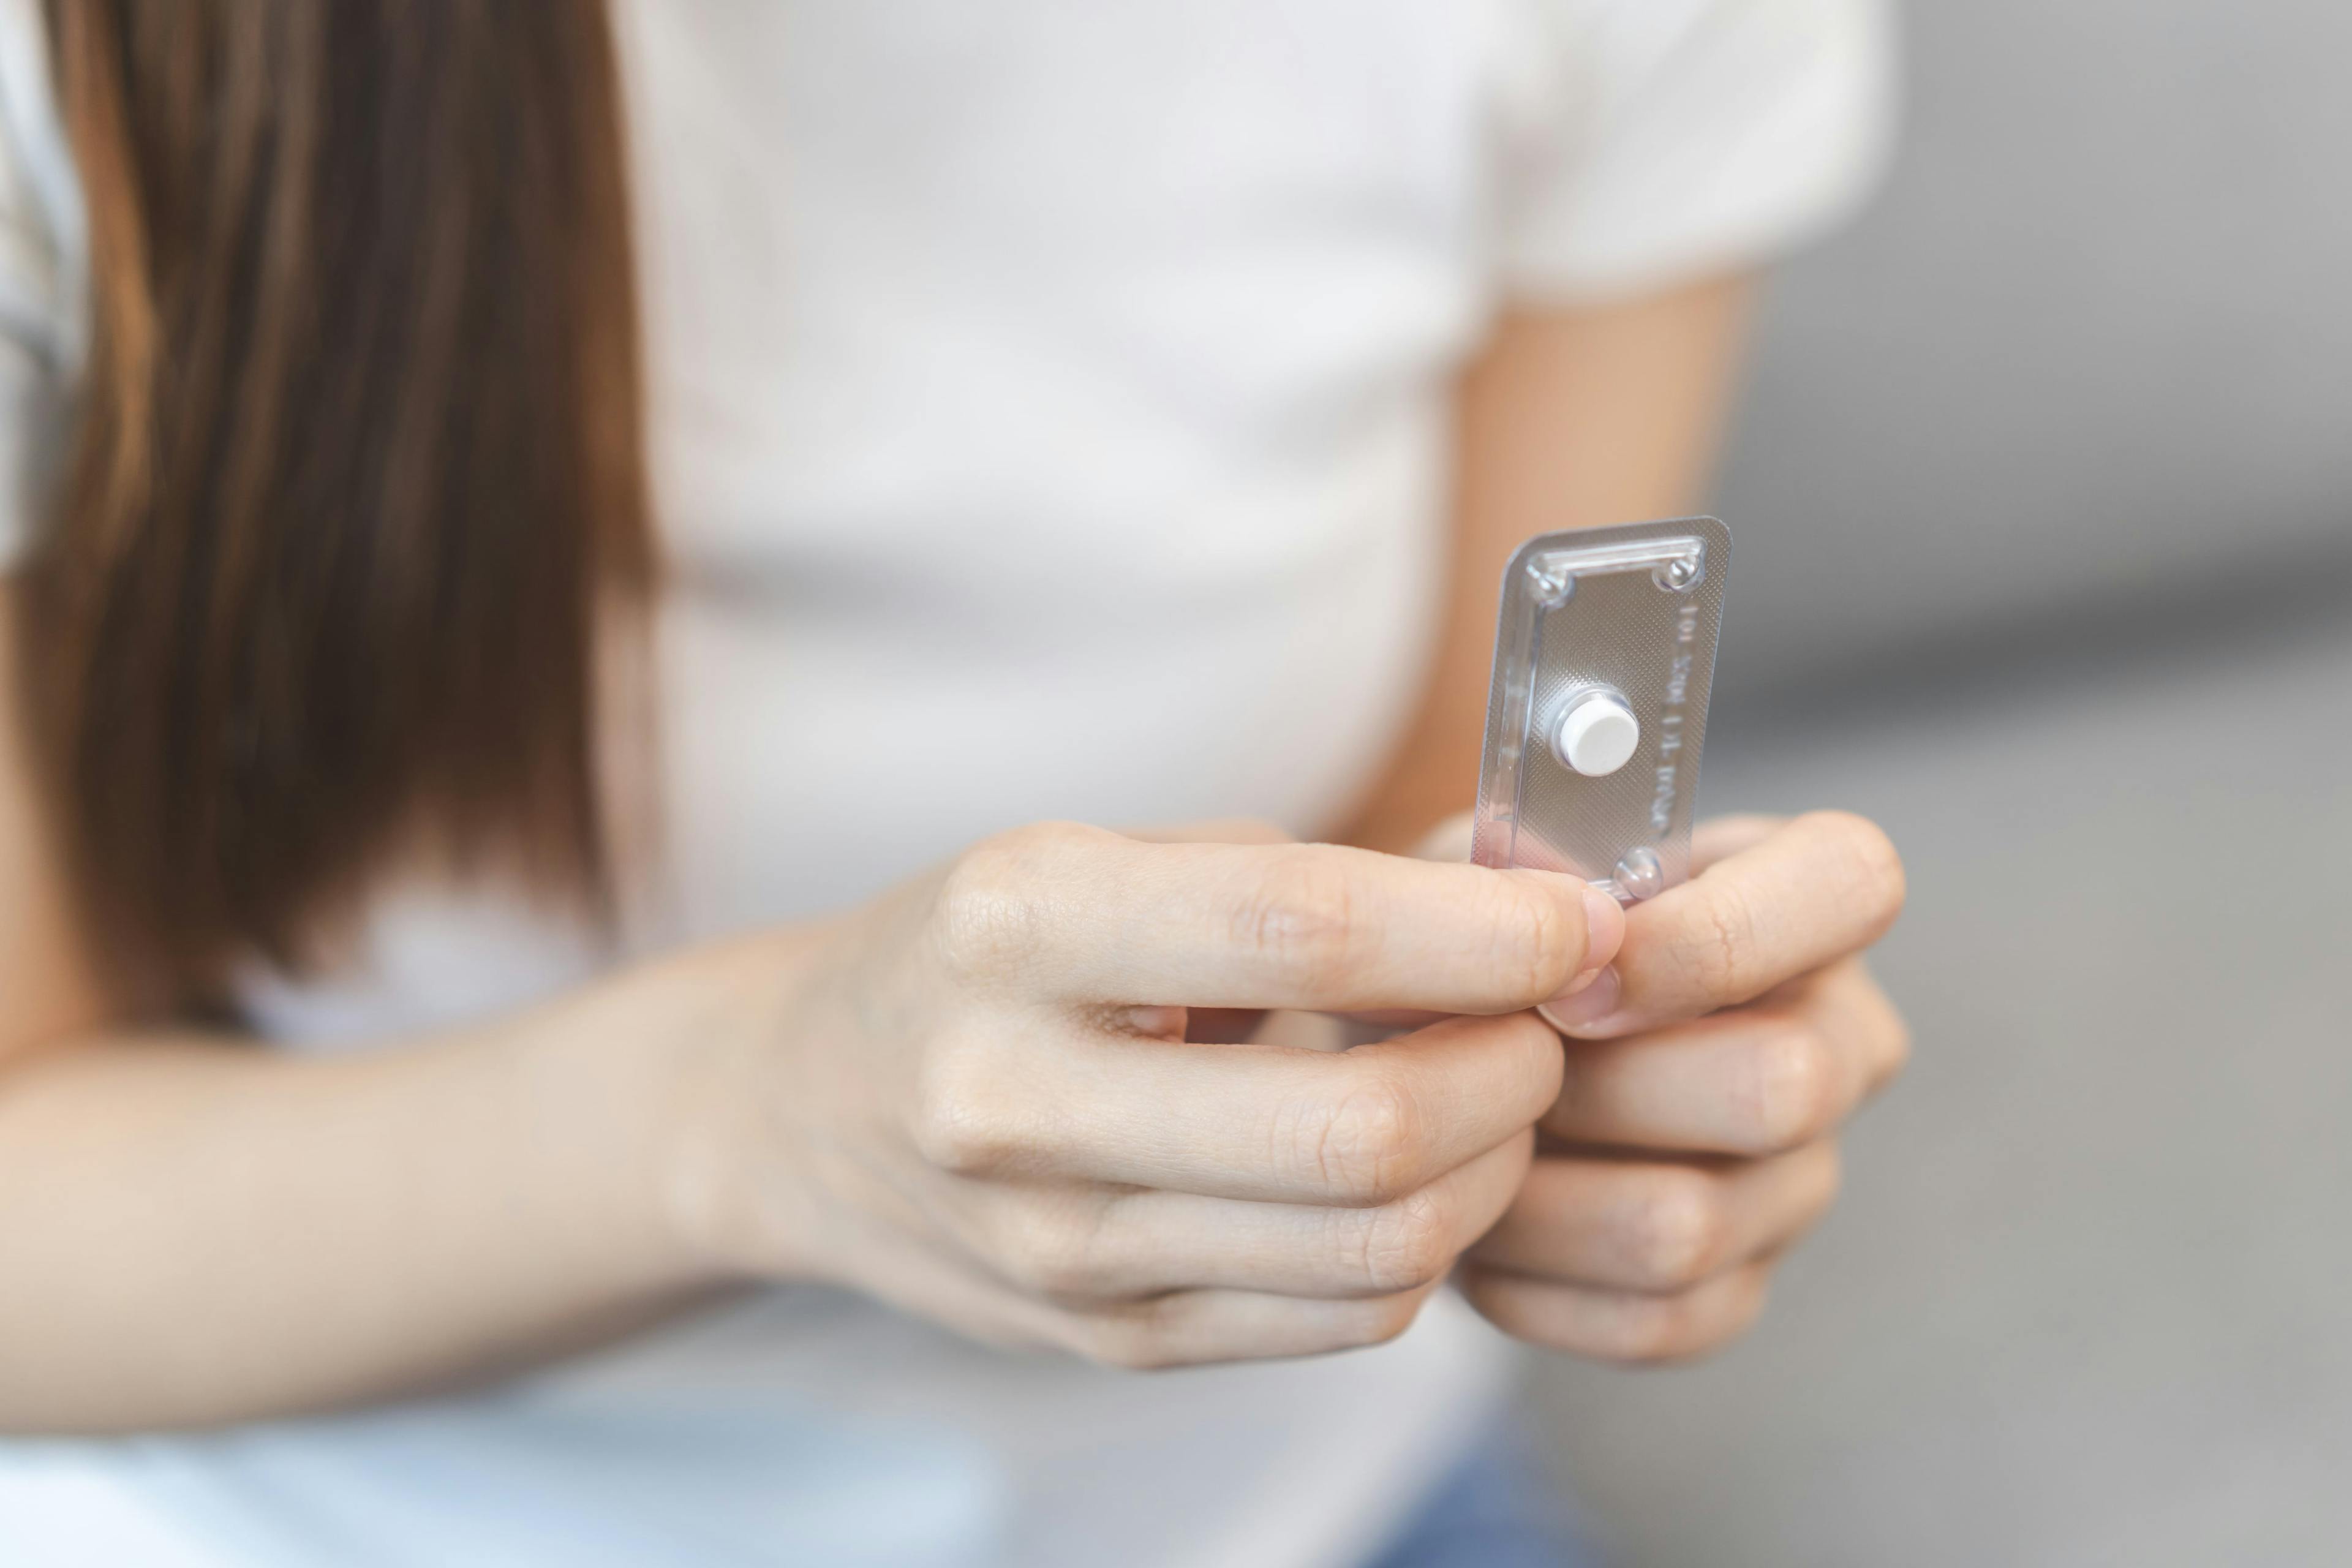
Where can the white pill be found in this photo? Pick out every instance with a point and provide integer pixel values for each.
(1597, 735)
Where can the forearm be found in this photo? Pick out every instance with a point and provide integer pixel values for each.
(1570, 419)
(196, 1231)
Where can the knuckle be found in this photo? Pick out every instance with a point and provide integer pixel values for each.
(1649, 1333)
(1829, 1180)
(1407, 1244)
(1722, 954)
(1676, 1229)
(1894, 1045)
(1375, 1320)
(1688, 1327)
(1303, 920)
(1795, 1090)
(1505, 1302)
(1127, 1342)
(1141, 1354)
(1051, 1257)
(960, 1123)
(1363, 1146)
(1541, 1058)
(990, 917)
(1389, 1318)
(1538, 1314)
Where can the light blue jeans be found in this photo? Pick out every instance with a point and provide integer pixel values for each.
(1499, 1508)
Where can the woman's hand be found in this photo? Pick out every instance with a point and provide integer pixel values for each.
(975, 1100)
(1708, 1071)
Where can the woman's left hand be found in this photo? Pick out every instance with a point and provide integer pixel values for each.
(1708, 1071)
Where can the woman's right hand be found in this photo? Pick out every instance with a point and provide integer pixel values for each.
(974, 1098)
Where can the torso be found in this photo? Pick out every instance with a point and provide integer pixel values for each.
(1005, 474)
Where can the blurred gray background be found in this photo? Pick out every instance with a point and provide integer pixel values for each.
(2044, 502)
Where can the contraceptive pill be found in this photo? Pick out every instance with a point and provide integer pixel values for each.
(1604, 654)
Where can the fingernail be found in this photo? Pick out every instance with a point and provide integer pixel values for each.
(1585, 1005)
(1604, 931)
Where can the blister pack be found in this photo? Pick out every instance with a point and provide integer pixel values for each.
(1603, 654)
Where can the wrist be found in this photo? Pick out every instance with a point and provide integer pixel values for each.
(724, 1175)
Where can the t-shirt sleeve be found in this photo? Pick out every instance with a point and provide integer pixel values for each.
(1664, 139)
(42, 261)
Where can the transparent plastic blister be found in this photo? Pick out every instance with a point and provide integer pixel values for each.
(1604, 652)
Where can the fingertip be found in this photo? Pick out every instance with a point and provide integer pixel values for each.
(1605, 929)
(1588, 1008)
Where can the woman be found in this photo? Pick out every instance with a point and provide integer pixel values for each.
(512, 845)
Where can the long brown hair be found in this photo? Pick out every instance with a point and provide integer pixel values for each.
(357, 469)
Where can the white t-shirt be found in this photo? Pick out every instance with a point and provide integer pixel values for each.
(1049, 413)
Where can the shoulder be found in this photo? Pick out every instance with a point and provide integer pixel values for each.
(1654, 140)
